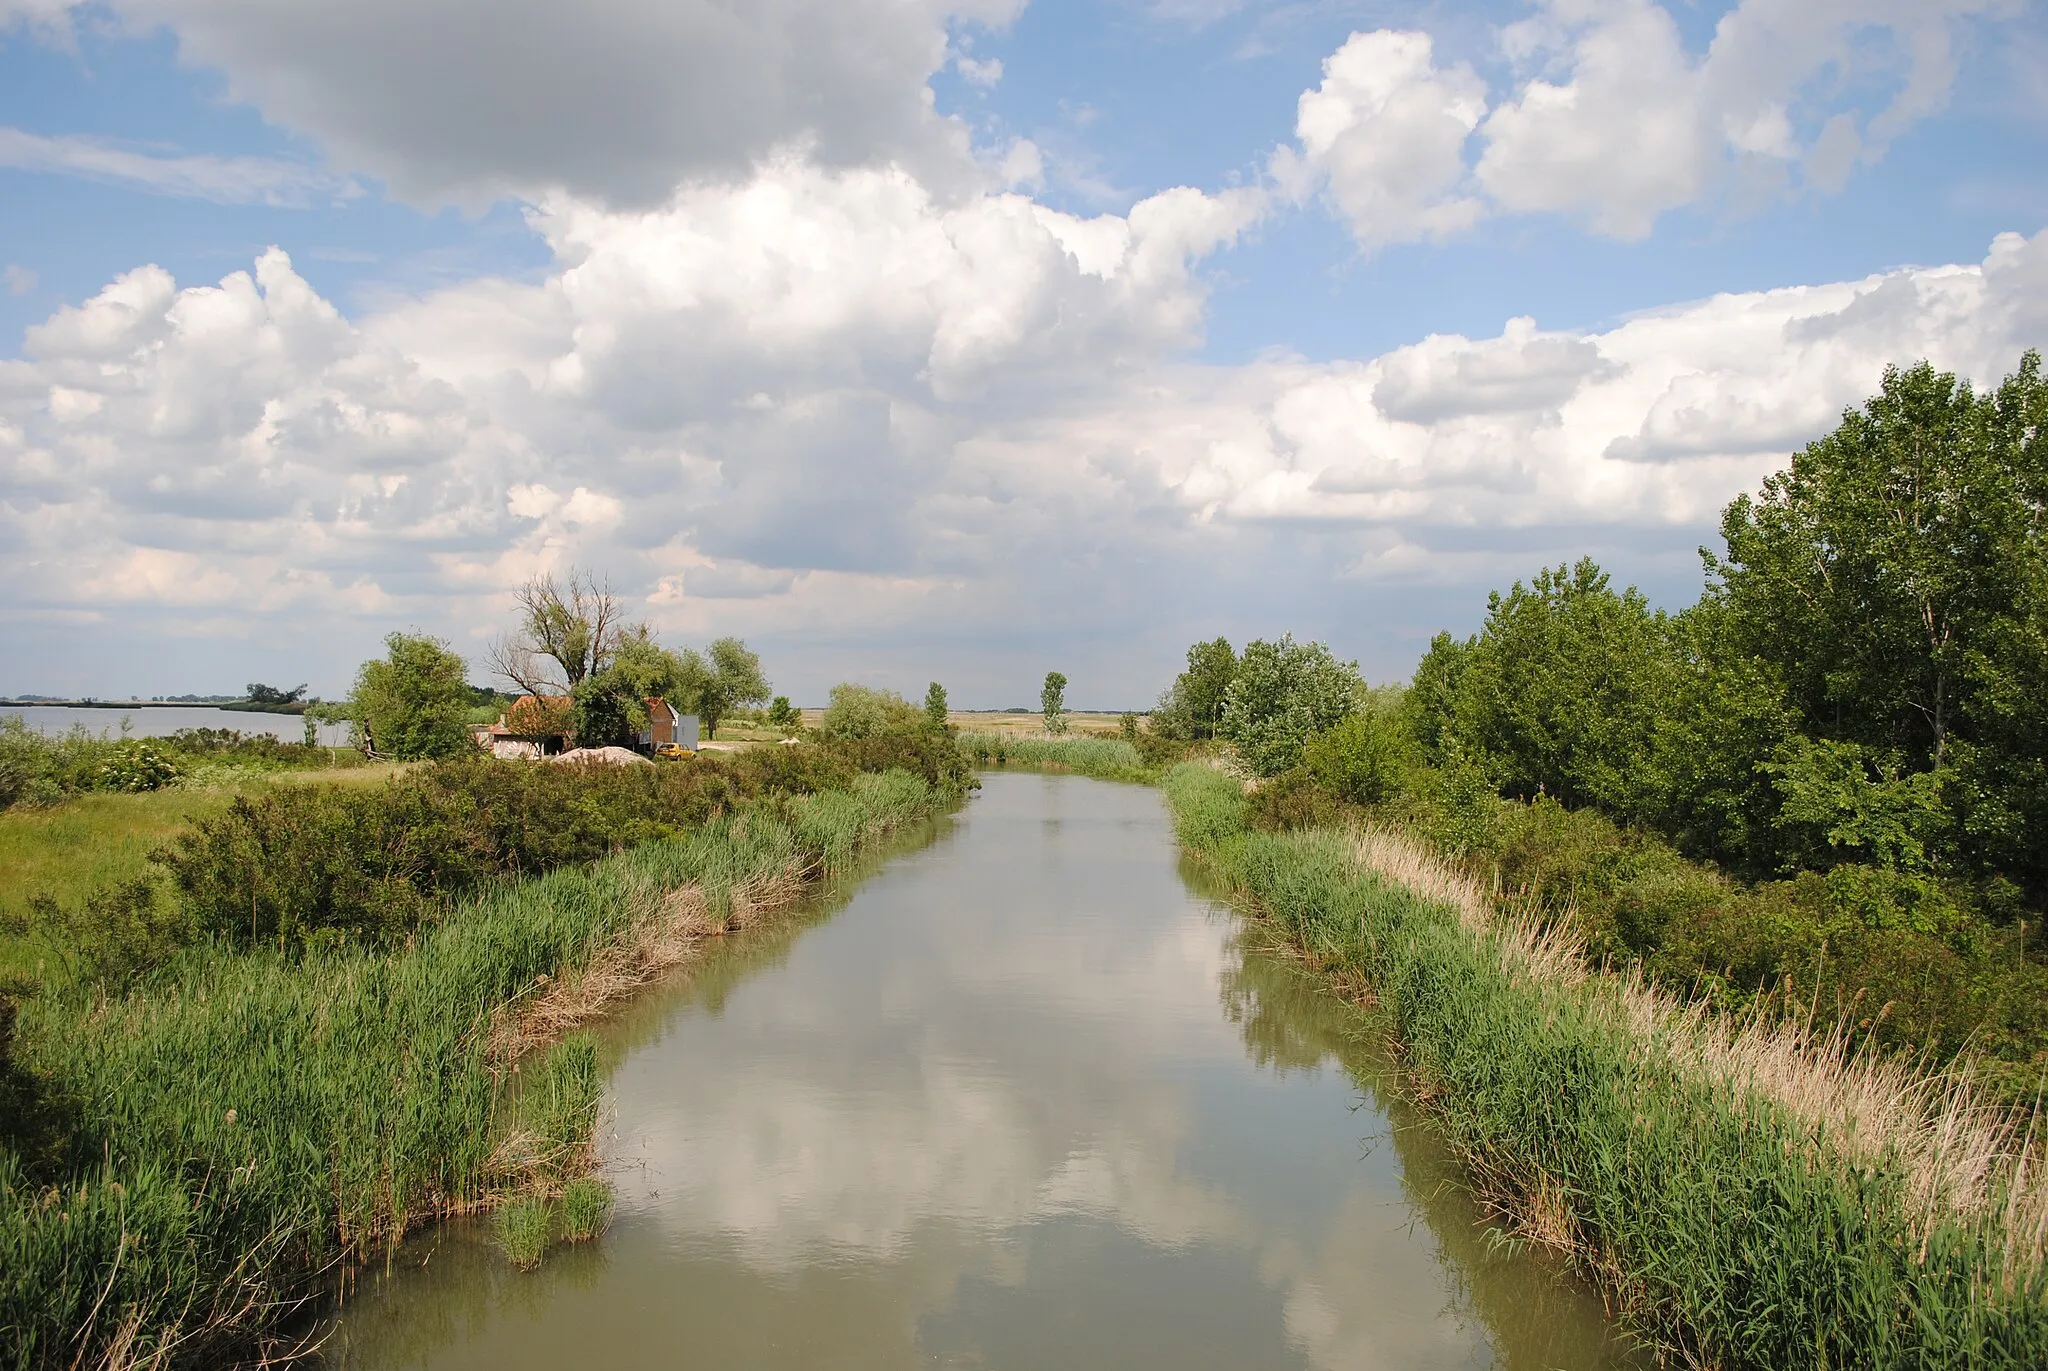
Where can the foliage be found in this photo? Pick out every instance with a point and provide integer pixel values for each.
(1896, 579)
(782, 714)
(1052, 701)
(1127, 726)
(306, 865)
(935, 707)
(119, 933)
(1365, 759)
(260, 694)
(413, 702)
(735, 679)
(857, 711)
(1105, 758)
(135, 764)
(604, 711)
(1283, 693)
(1192, 707)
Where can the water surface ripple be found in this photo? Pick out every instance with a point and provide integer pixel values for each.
(1020, 1097)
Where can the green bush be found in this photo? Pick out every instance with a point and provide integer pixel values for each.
(856, 713)
(375, 862)
(113, 939)
(134, 764)
(1364, 760)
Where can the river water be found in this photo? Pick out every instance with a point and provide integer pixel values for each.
(1020, 1096)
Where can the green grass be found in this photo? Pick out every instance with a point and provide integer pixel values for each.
(586, 1209)
(525, 1228)
(1734, 1229)
(251, 1118)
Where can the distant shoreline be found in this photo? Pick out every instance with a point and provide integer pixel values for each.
(232, 706)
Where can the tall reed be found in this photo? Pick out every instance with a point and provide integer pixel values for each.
(254, 1119)
(1756, 1198)
(1108, 759)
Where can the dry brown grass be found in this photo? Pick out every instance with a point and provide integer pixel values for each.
(1962, 1157)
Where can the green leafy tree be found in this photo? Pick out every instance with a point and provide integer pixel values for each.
(935, 707)
(855, 712)
(1192, 706)
(1052, 701)
(1896, 579)
(414, 701)
(734, 679)
(782, 714)
(1282, 694)
(261, 694)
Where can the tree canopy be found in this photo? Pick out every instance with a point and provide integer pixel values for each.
(413, 702)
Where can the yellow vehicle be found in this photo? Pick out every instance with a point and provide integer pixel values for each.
(672, 750)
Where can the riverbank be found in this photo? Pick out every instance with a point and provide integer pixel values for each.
(1752, 1196)
(190, 1156)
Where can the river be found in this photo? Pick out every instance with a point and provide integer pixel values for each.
(1020, 1095)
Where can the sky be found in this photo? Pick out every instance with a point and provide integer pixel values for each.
(917, 339)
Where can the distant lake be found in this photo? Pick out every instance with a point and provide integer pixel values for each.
(160, 721)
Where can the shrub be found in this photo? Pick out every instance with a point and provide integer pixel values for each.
(135, 765)
(857, 712)
(1363, 760)
(110, 941)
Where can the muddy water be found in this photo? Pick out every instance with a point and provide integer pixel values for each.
(1021, 1097)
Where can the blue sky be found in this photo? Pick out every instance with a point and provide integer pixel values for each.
(725, 309)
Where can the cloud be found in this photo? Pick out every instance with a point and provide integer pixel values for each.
(615, 100)
(18, 279)
(868, 425)
(1384, 137)
(223, 180)
(1609, 118)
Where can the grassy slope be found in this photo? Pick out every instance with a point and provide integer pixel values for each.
(250, 1119)
(1741, 1220)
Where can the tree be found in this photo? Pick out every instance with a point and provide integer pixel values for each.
(566, 631)
(935, 707)
(1282, 694)
(1192, 706)
(783, 714)
(1896, 579)
(414, 701)
(1211, 667)
(734, 679)
(855, 712)
(1052, 698)
(261, 694)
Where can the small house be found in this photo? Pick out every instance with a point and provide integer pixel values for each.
(534, 726)
(667, 724)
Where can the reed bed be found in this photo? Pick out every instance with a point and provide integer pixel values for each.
(253, 1120)
(1107, 759)
(1754, 1194)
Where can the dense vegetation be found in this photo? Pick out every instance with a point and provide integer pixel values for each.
(1823, 784)
(1752, 1199)
(302, 1041)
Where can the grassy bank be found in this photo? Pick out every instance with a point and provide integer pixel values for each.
(1108, 759)
(1754, 1196)
(189, 1156)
